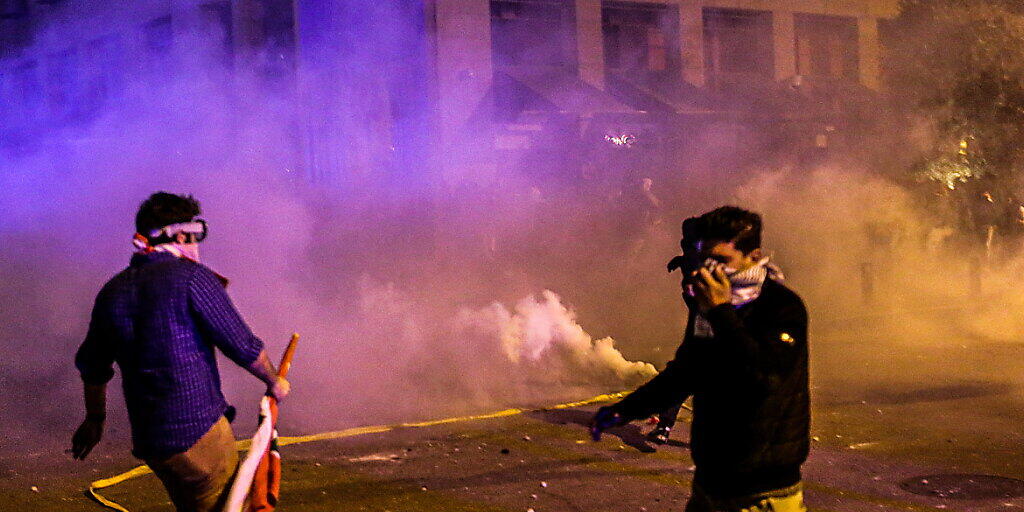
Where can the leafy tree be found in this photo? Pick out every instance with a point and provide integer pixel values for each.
(959, 66)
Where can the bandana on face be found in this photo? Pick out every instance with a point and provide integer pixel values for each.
(188, 251)
(167, 235)
(746, 287)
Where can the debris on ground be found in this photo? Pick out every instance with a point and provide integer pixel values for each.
(859, 446)
(375, 457)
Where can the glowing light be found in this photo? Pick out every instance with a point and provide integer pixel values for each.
(951, 173)
(626, 140)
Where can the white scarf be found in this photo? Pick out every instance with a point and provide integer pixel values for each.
(746, 287)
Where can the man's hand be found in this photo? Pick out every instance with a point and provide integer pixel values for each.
(263, 369)
(604, 419)
(279, 389)
(86, 438)
(712, 288)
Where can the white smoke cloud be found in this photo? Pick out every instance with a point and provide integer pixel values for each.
(542, 332)
(423, 358)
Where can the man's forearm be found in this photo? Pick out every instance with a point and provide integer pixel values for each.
(670, 387)
(263, 369)
(95, 401)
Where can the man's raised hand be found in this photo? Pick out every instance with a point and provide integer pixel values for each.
(712, 288)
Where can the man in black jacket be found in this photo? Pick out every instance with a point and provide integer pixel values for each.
(744, 361)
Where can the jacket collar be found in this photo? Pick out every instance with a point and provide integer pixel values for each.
(145, 258)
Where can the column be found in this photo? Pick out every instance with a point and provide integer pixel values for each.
(464, 71)
(590, 42)
(869, 52)
(691, 42)
(784, 36)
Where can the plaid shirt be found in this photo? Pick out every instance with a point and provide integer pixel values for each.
(160, 320)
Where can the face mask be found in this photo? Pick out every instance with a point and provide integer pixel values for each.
(190, 251)
(711, 264)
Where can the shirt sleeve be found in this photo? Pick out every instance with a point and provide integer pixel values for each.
(670, 387)
(95, 356)
(220, 321)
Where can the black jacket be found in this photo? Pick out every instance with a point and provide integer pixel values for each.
(751, 406)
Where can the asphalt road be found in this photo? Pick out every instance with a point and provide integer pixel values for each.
(912, 420)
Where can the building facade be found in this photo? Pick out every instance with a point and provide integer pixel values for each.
(431, 89)
(63, 61)
(682, 56)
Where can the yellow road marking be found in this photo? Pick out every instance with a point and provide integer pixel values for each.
(138, 471)
(94, 487)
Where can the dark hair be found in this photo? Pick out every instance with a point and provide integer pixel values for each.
(163, 209)
(732, 224)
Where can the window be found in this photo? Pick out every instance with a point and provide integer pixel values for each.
(157, 42)
(280, 42)
(102, 72)
(158, 36)
(532, 33)
(826, 46)
(13, 9)
(738, 44)
(216, 17)
(61, 82)
(640, 37)
(6, 95)
(15, 35)
(279, 25)
(26, 85)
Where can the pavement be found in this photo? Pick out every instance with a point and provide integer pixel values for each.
(899, 424)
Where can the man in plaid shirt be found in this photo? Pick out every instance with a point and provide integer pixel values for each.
(160, 321)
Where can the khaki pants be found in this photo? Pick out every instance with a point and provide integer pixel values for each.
(198, 479)
(789, 499)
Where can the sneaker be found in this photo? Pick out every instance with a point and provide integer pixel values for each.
(659, 435)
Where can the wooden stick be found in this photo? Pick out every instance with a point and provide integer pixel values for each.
(286, 361)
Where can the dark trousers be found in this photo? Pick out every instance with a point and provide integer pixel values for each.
(667, 418)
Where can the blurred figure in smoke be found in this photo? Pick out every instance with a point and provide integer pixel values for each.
(160, 320)
(647, 220)
(744, 361)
